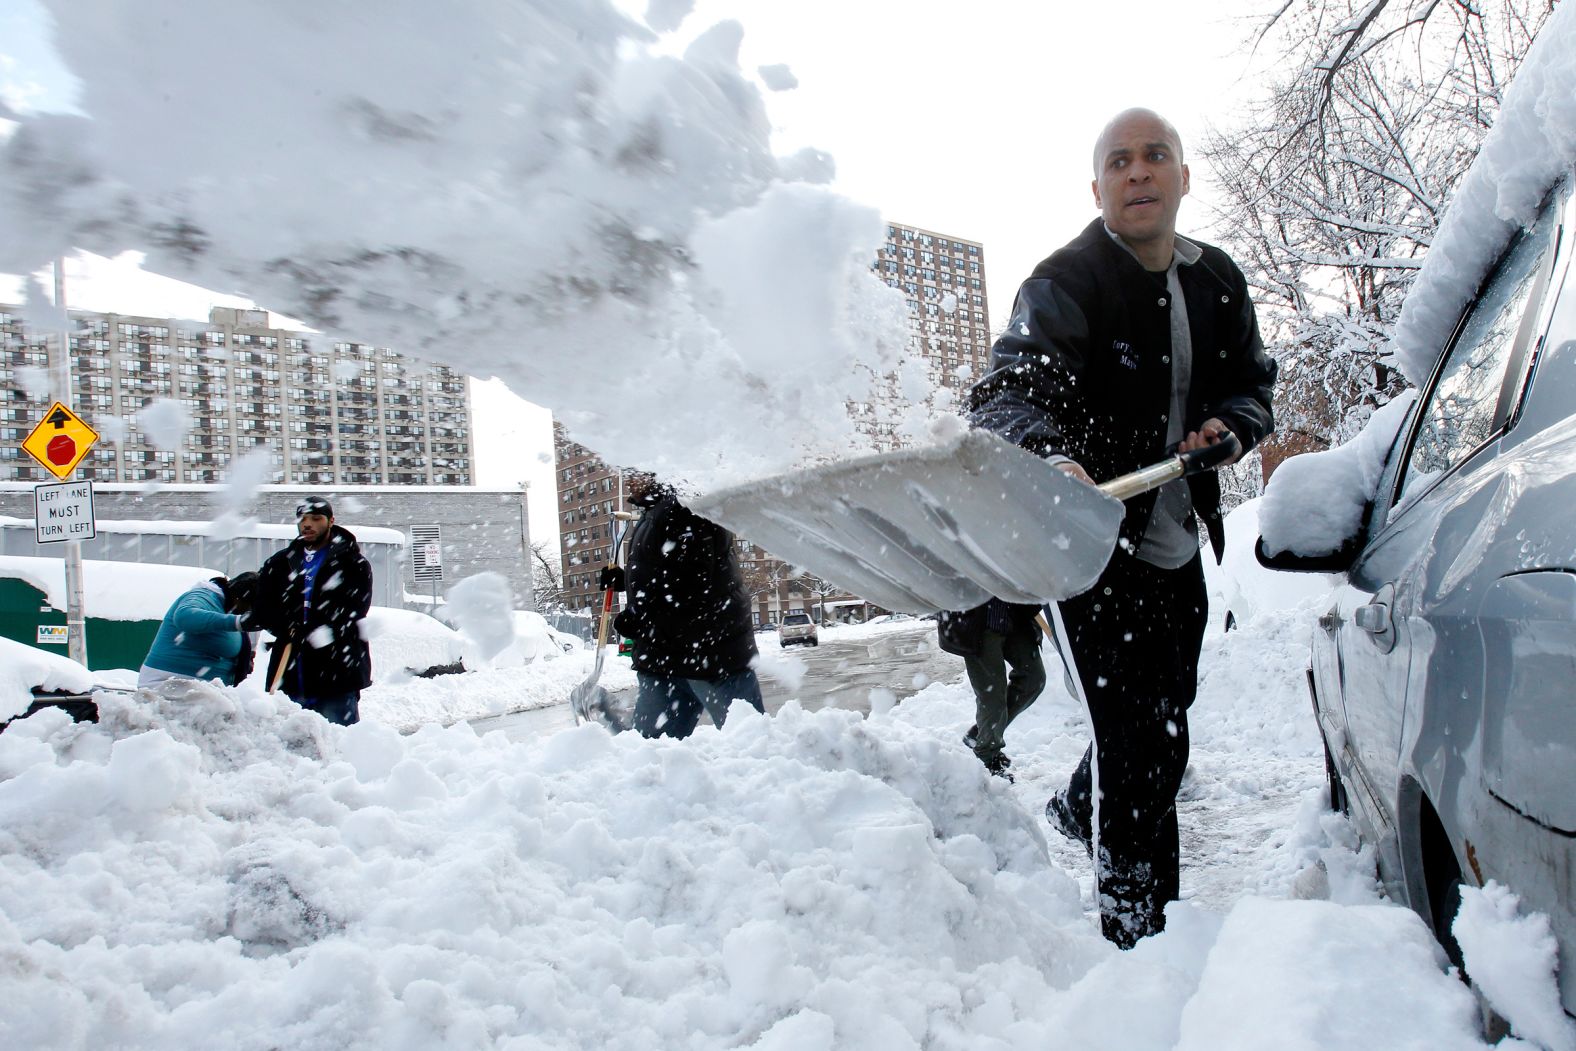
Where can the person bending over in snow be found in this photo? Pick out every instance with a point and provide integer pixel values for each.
(204, 634)
(1127, 344)
(688, 614)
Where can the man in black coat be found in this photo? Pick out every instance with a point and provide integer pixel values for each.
(687, 613)
(1129, 343)
(312, 597)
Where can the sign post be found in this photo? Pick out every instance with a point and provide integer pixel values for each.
(59, 442)
(426, 556)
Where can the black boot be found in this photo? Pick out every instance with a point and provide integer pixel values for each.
(997, 765)
(1060, 814)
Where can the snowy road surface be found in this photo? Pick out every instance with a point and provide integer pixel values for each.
(839, 673)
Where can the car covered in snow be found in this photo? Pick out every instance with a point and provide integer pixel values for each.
(1443, 673)
(797, 629)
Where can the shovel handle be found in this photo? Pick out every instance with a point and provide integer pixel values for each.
(607, 615)
(1205, 458)
(279, 676)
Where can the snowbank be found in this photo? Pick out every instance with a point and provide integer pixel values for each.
(213, 867)
(1249, 589)
(538, 668)
(23, 667)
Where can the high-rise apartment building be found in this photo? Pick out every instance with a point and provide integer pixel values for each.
(943, 278)
(325, 412)
(589, 491)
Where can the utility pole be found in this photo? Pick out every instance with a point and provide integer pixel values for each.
(60, 380)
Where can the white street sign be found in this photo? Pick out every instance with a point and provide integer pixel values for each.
(64, 511)
(426, 553)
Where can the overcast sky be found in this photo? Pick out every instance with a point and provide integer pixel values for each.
(974, 120)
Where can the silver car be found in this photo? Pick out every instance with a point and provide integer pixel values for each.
(1444, 677)
(797, 629)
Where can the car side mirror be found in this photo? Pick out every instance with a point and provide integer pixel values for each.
(1335, 562)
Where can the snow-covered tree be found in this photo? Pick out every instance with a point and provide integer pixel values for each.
(764, 576)
(821, 589)
(547, 579)
(1334, 183)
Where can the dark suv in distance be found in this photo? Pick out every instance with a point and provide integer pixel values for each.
(1444, 675)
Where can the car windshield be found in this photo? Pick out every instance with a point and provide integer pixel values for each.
(797, 618)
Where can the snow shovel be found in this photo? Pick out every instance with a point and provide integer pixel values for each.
(588, 701)
(947, 526)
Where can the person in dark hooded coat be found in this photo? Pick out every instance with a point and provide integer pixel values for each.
(686, 612)
(312, 597)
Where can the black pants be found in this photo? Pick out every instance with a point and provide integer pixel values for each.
(1135, 637)
(999, 698)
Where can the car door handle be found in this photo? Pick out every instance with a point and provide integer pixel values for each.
(1329, 621)
(1373, 618)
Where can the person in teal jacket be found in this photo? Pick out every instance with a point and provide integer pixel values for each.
(205, 634)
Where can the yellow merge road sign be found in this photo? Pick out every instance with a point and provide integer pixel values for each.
(60, 441)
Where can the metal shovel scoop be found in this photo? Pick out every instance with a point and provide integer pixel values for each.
(948, 526)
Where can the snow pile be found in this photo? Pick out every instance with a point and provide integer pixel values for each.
(1510, 958)
(212, 867)
(216, 867)
(535, 639)
(406, 642)
(407, 704)
(1247, 587)
(1315, 503)
(530, 190)
(23, 667)
(1531, 147)
(407, 639)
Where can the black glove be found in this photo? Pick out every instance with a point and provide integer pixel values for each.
(243, 663)
(247, 622)
(610, 577)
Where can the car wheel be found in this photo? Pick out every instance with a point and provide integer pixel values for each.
(1442, 874)
(1336, 787)
(815, 642)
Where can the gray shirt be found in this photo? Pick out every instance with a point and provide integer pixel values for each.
(1171, 540)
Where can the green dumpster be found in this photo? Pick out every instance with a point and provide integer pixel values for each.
(124, 603)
